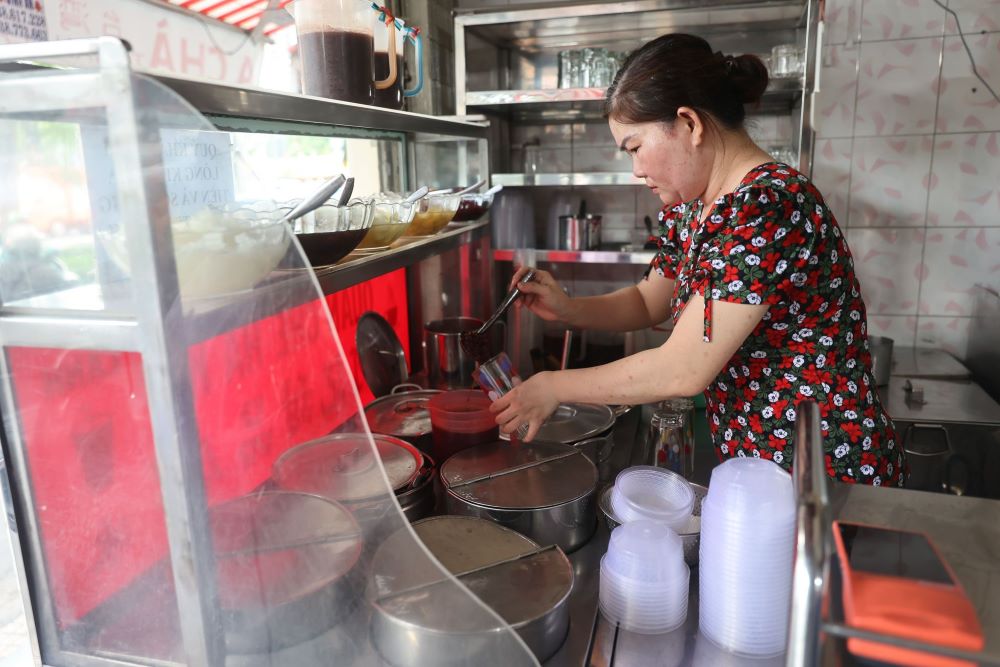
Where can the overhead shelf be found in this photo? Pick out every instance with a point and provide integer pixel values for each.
(582, 179)
(555, 27)
(781, 94)
(637, 257)
(238, 108)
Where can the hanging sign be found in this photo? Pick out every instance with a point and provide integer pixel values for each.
(22, 21)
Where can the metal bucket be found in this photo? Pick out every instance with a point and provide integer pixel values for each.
(448, 366)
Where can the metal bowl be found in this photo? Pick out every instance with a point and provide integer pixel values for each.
(691, 539)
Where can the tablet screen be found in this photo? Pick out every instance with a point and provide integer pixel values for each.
(892, 553)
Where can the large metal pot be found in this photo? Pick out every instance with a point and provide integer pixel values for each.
(448, 365)
(403, 415)
(286, 565)
(411, 624)
(546, 491)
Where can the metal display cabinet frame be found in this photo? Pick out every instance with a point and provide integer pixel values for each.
(154, 276)
(523, 35)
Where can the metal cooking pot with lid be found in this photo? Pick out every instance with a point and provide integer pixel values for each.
(342, 467)
(573, 422)
(403, 415)
(546, 491)
(497, 564)
(285, 564)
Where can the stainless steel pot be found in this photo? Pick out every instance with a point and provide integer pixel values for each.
(411, 625)
(448, 365)
(881, 351)
(265, 608)
(403, 415)
(546, 491)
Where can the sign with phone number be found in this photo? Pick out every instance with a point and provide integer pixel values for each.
(22, 21)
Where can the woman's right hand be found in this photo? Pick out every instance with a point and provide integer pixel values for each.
(543, 296)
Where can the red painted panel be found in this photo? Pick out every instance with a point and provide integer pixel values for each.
(258, 391)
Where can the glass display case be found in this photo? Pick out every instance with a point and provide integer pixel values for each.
(165, 342)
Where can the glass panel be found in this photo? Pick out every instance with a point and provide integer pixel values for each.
(444, 162)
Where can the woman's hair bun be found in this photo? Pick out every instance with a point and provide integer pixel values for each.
(748, 76)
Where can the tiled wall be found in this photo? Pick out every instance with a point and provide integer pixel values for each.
(908, 155)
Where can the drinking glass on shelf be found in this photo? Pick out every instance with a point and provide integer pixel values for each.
(570, 63)
(786, 60)
(600, 69)
(586, 67)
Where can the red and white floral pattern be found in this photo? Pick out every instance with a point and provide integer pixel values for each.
(775, 241)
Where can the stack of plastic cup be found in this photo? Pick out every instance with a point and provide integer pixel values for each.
(657, 494)
(747, 545)
(644, 580)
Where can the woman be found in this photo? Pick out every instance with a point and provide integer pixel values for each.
(752, 266)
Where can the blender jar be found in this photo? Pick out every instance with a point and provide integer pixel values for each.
(336, 49)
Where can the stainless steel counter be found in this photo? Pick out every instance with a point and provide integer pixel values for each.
(964, 529)
(927, 362)
(945, 402)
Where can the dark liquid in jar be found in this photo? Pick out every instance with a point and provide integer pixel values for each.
(338, 64)
(447, 442)
(391, 97)
(330, 247)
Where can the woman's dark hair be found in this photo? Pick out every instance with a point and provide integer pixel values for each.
(680, 70)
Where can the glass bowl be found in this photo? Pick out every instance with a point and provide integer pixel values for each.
(330, 233)
(472, 207)
(390, 219)
(433, 214)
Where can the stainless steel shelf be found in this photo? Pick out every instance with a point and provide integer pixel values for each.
(341, 276)
(537, 180)
(553, 27)
(221, 101)
(781, 95)
(638, 257)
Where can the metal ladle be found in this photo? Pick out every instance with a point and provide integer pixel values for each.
(474, 342)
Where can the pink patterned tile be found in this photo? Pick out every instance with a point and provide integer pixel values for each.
(897, 87)
(832, 175)
(889, 180)
(900, 328)
(887, 263)
(965, 183)
(839, 88)
(842, 21)
(966, 105)
(948, 333)
(900, 19)
(974, 16)
(955, 260)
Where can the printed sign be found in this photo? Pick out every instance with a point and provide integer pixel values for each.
(22, 21)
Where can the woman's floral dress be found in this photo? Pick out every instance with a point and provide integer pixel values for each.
(774, 241)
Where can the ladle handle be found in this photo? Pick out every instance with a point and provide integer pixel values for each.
(318, 198)
(512, 296)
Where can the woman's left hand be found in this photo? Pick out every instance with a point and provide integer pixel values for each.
(531, 403)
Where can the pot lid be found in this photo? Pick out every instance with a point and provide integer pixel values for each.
(341, 466)
(403, 415)
(572, 422)
(495, 563)
(383, 362)
(276, 547)
(533, 475)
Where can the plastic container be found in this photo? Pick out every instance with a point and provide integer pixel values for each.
(648, 492)
(461, 419)
(644, 580)
(336, 48)
(747, 517)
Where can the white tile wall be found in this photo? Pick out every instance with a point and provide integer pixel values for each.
(916, 178)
